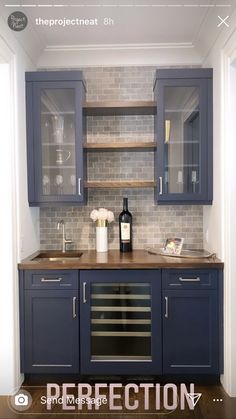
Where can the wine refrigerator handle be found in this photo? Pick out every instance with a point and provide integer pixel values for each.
(79, 186)
(84, 293)
(160, 186)
(166, 307)
(74, 307)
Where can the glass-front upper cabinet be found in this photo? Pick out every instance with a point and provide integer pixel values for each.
(122, 329)
(55, 129)
(184, 135)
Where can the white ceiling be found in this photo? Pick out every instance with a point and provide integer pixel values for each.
(184, 23)
(131, 24)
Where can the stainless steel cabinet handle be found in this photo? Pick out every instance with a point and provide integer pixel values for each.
(160, 186)
(51, 280)
(189, 279)
(79, 186)
(84, 292)
(166, 311)
(74, 307)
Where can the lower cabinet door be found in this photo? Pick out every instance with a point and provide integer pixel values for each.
(51, 335)
(190, 332)
(121, 316)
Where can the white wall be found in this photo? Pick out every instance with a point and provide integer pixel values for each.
(8, 248)
(17, 219)
(28, 218)
(213, 221)
(219, 219)
(230, 226)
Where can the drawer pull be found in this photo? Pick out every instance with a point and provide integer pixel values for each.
(74, 307)
(84, 293)
(190, 279)
(51, 280)
(167, 308)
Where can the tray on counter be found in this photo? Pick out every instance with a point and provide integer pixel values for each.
(185, 253)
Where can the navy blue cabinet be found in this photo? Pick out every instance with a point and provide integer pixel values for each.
(121, 315)
(55, 131)
(128, 321)
(183, 130)
(192, 337)
(49, 322)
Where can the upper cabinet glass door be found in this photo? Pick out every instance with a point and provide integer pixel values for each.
(184, 136)
(58, 139)
(55, 131)
(181, 140)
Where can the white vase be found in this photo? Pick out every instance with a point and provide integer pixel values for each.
(101, 238)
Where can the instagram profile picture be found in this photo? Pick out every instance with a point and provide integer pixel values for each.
(17, 21)
(21, 401)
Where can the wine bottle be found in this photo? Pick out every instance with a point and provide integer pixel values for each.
(125, 228)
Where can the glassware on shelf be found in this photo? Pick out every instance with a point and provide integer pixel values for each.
(59, 183)
(62, 156)
(58, 128)
(73, 183)
(70, 131)
(180, 176)
(46, 131)
(46, 185)
(194, 180)
(180, 179)
(73, 180)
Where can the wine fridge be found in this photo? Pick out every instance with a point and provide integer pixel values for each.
(123, 328)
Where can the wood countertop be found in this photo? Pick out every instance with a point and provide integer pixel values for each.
(113, 259)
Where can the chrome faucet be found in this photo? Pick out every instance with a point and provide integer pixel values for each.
(64, 240)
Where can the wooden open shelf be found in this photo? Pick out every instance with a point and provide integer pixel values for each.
(138, 146)
(120, 184)
(139, 107)
(99, 108)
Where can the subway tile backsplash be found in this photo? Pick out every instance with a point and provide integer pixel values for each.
(151, 223)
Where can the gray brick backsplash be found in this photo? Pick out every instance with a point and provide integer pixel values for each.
(151, 223)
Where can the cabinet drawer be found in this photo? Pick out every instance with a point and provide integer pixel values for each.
(51, 279)
(189, 279)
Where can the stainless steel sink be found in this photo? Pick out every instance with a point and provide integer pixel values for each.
(57, 256)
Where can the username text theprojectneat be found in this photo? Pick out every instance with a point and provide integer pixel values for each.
(66, 22)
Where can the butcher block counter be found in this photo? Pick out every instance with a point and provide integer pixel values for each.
(113, 259)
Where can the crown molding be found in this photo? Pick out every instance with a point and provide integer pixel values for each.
(161, 54)
(115, 47)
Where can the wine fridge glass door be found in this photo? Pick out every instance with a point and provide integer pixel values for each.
(120, 322)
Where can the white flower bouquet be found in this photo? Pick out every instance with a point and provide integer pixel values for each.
(102, 216)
